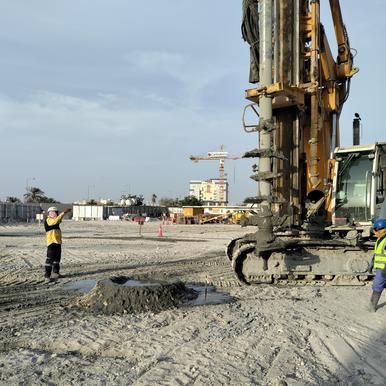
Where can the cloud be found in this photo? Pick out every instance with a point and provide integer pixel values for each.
(111, 136)
(45, 115)
(193, 74)
(157, 61)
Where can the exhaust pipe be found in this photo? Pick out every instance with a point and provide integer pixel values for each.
(356, 125)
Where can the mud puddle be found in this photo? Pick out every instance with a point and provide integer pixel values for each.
(208, 296)
(82, 286)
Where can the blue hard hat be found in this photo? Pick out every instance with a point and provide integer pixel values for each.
(379, 224)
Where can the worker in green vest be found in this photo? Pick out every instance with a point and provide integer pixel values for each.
(379, 263)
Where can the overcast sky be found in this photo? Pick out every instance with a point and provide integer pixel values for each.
(112, 96)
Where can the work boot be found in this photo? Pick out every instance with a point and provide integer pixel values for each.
(374, 301)
(54, 276)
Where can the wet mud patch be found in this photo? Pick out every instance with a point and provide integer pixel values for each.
(122, 295)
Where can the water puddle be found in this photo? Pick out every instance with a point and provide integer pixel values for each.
(82, 286)
(208, 296)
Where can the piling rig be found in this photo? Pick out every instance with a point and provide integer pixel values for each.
(315, 200)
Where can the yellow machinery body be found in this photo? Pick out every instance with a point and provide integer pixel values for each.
(306, 228)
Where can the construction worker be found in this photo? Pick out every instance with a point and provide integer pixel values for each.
(379, 263)
(54, 243)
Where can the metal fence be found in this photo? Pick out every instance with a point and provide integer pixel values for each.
(27, 212)
(143, 210)
(95, 212)
(19, 212)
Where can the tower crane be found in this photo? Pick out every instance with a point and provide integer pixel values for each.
(220, 156)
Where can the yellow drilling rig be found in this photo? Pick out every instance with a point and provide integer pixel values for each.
(315, 200)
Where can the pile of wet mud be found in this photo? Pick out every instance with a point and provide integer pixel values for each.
(124, 295)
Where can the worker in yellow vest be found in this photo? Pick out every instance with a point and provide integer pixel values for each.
(379, 263)
(54, 243)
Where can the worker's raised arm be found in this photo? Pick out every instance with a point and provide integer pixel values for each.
(57, 220)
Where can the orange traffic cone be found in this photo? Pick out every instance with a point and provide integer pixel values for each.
(160, 230)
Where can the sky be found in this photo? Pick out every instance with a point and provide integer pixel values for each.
(102, 98)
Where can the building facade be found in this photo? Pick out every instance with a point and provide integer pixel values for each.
(213, 192)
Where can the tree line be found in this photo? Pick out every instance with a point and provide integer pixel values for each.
(36, 195)
(32, 195)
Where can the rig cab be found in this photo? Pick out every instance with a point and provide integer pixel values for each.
(359, 185)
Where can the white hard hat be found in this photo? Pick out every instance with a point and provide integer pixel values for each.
(52, 209)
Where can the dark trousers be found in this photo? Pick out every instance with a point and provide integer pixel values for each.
(379, 283)
(54, 253)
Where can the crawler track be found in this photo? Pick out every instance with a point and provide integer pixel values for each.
(250, 270)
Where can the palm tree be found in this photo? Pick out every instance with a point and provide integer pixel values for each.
(153, 199)
(34, 195)
(50, 200)
(12, 200)
(191, 201)
(169, 202)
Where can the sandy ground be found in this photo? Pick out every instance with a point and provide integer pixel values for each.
(266, 336)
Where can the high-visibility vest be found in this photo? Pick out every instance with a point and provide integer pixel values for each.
(380, 253)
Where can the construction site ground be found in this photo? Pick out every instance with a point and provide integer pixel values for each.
(266, 336)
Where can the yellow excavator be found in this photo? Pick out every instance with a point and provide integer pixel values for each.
(316, 200)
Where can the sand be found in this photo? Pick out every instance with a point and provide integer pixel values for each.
(266, 336)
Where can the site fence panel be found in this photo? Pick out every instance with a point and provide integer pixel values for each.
(11, 212)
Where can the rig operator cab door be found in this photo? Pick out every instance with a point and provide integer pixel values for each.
(380, 199)
(359, 184)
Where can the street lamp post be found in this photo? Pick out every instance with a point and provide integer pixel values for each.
(88, 191)
(27, 182)
(27, 187)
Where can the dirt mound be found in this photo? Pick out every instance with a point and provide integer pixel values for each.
(124, 295)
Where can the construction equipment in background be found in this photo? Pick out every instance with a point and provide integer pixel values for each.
(224, 218)
(230, 217)
(241, 216)
(315, 199)
(214, 215)
(220, 156)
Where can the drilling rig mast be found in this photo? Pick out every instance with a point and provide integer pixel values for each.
(302, 172)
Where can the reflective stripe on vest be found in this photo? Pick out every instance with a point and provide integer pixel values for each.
(380, 253)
